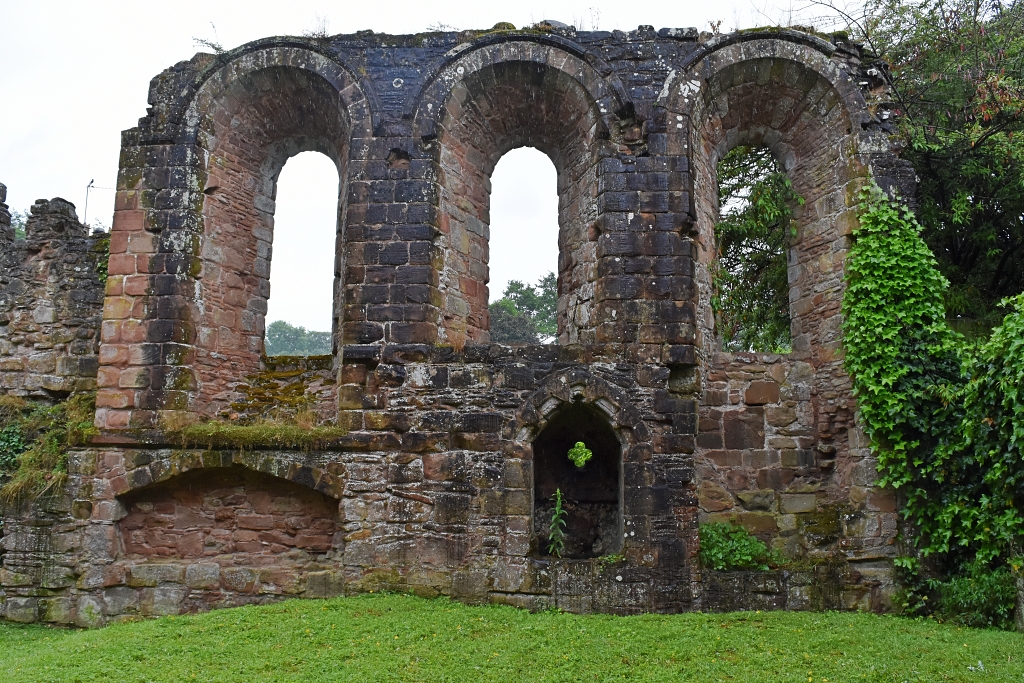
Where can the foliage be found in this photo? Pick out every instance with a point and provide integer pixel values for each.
(18, 220)
(12, 444)
(944, 422)
(526, 314)
(263, 434)
(580, 454)
(725, 546)
(395, 638)
(509, 325)
(35, 443)
(283, 339)
(606, 561)
(103, 251)
(982, 597)
(556, 530)
(751, 280)
(956, 71)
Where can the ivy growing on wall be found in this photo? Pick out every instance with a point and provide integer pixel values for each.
(944, 417)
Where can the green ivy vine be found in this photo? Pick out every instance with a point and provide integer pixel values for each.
(945, 418)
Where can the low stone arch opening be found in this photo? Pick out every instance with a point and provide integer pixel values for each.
(229, 516)
(592, 494)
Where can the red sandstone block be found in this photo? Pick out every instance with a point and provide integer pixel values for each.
(118, 242)
(110, 331)
(133, 331)
(108, 376)
(114, 286)
(142, 243)
(113, 354)
(136, 285)
(134, 378)
(129, 220)
(117, 307)
(760, 393)
(122, 264)
(115, 398)
(255, 522)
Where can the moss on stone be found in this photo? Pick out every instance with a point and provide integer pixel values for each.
(262, 435)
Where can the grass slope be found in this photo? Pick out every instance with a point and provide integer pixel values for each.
(402, 638)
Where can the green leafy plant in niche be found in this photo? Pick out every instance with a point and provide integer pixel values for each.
(725, 546)
(580, 454)
(556, 530)
(35, 440)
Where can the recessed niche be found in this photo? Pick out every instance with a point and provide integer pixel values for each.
(591, 494)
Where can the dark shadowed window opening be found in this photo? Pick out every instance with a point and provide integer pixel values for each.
(523, 249)
(591, 494)
(301, 303)
(750, 277)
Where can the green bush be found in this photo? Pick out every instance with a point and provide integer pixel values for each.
(725, 546)
(981, 598)
(35, 443)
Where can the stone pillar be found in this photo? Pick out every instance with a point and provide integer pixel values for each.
(6, 231)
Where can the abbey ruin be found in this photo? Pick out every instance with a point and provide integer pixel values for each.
(448, 447)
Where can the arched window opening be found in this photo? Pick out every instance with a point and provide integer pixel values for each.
(523, 249)
(750, 277)
(300, 308)
(591, 494)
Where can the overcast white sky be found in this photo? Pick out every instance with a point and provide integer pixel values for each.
(74, 74)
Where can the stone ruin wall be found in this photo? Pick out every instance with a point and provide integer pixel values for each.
(51, 300)
(437, 485)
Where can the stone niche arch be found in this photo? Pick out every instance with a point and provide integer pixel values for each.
(483, 104)
(592, 494)
(193, 226)
(580, 406)
(791, 98)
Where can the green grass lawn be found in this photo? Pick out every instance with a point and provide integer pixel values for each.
(403, 638)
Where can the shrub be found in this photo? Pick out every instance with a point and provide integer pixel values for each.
(46, 432)
(981, 598)
(725, 546)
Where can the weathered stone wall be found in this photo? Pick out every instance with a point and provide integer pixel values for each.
(442, 482)
(51, 299)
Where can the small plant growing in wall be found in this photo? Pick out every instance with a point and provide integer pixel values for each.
(556, 530)
(580, 454)
(727, 546)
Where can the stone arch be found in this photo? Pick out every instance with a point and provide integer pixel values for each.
(785, 93)
(184, 312)
(581, 406)
(250, 118)
(165, 465)
(483, 103)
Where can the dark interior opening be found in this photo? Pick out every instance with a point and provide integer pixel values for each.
(591, 494)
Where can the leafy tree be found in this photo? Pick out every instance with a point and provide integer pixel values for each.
(18, 219)
(283, 339)
(957, 74)
(526, 314)
(751, 280)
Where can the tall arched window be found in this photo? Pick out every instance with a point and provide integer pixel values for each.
(752, 235)
(523, 248)
(301, 302)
